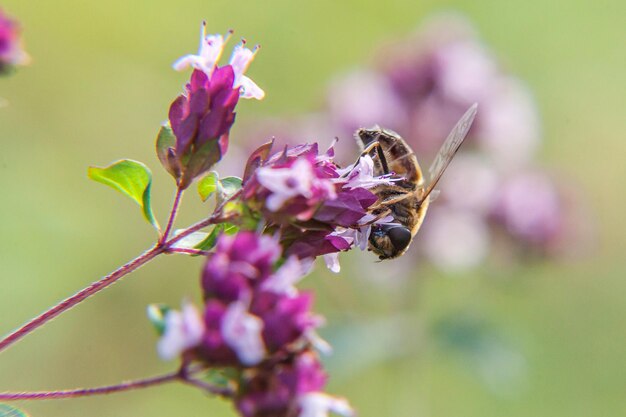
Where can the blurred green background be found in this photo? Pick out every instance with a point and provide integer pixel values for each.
(543, 340)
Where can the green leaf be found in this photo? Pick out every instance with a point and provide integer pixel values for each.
(165, 145)
(222, 377)
(230, 229)
(233, 208)
(230, 185)
(208, 185)
(8, 411)
(132, 179)
(156, 315)
(209, 242)
(199, 162)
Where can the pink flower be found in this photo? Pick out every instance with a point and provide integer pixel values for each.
(201, 117)
(242, 332)
(209, 53)
(299, 180)
(530, 208)
(183, 331)
(455, 240)
(11, 52)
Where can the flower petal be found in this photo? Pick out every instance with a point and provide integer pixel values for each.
(249, 89)
(183, 330)
(332, 262)
(319, 404)
(242, 332)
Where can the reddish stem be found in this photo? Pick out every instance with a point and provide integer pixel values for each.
(85, 392)
(113, 277)
(79, 296)
(172, 217)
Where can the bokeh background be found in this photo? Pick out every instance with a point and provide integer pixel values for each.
(542, 338)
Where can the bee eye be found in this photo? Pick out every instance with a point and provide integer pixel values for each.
(400, 237)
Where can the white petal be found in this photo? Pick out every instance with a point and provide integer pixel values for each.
(283, 280)
(186, 61)
(332, 262)
(182, 331)
(209, 52)
(241, 59)
(249, 89)
(242, 332)
(318, 404)
(211, 49)
(318, 343)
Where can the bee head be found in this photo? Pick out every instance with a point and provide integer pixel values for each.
(389, 241)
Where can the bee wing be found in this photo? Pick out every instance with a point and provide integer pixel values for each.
(449, 149)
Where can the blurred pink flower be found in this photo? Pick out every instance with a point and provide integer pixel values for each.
(455, 240)
(364, 98)
(11, 52)
(529, 207)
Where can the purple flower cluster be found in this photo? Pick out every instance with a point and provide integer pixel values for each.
(202, 116)
(256, 322)
(11, 52)
(314, 206)
(300, 377)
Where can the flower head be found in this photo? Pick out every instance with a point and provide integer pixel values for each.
(201, 117)
(315, 207)
(252, 307)
(293, 388)
(11, 52)
(209, 53)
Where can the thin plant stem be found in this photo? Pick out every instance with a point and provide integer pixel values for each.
(172, 217)
(97, 286)
(184, 375)
(86, 392)
(83, 294)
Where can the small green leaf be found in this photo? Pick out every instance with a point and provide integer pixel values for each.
(209, 242)
(199, 162)
(165, 145)
(222, 377)
(8, 411)
(230, 229)
(235, 207)
(211, 239)
(132, 179)
(230, 185)
(156, 315)
(208, 185)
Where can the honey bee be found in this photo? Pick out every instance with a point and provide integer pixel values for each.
(407, 197)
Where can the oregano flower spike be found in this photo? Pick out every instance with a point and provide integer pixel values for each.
(199, 121)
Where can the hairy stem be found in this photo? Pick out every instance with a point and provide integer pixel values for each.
(86, 392)
(184, 375)
(172, 217)
(97, 286)
(83, 294)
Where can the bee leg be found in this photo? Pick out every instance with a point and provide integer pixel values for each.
(365, 151)
(379, 152)
(382, 159)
